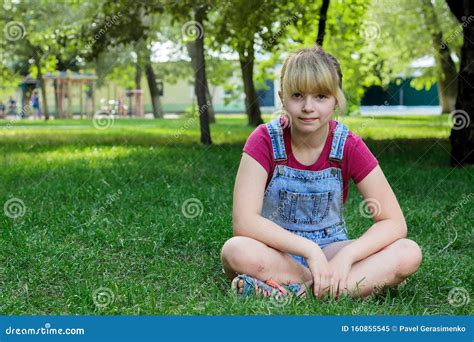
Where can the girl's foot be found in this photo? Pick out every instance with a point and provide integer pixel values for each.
(245, 285)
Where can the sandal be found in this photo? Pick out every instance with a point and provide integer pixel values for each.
(269, 288)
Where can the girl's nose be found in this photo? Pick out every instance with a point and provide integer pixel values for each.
(308, 105)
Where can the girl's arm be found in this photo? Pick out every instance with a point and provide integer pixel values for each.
(389, 221)
(246, 215)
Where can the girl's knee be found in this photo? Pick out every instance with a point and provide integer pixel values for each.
(409, 257)
(235, 250)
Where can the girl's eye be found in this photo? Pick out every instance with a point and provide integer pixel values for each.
(321, 97)
(297, 95)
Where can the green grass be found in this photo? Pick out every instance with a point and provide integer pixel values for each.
(104, 209)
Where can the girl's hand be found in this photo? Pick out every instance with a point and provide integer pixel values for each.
(340, 266)
(320, 270)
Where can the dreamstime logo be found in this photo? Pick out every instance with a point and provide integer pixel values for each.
(274, 37)
(14, 208)
(465, 200)
(102, 297)
(192, 208)
(281, 301)
(458, 296)
(26, 110)
(103, 120)
(109, 21)
(192, 30)
(370, 30)
(19, 115)
(459, 119)
(457, 31)
(14, 30)
(189, 123)
(370, 207)
(11, 123)
(275, 213)
(108, 202)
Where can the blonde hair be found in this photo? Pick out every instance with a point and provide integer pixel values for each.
(313, 71)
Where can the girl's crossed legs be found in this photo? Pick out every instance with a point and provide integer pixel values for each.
(388, 267)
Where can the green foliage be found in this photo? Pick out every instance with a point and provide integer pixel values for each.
(405, 37)
(52, 30)
(116, 65)
(243, 26)
(375, 41)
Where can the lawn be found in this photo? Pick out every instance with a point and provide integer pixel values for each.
(130, 219)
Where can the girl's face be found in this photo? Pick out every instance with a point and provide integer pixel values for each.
(309, 112)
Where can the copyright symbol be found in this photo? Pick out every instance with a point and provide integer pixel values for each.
(394, 328)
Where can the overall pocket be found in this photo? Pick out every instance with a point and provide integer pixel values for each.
(303, 207)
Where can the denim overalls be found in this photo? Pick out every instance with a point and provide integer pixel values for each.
(306, 203)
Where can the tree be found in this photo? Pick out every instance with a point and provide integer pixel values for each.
(152, 85)
(248, 28)
(322, 22)
(193, 36)
(137, 26)
(200, 84)
(408, 32)
(340, 27)
(193, 48)
(38, 47)
(462, 132)
(447, 86)
(237, 24)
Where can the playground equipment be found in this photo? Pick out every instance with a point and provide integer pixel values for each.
(27, 87)
(64, 83)
(135, 97)
(77, 90)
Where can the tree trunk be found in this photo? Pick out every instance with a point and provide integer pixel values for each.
(43, 88)
(155, 98)
(192, 51)
(212, 113)
(138, 76)
(447, 93)
(56, 97)
(200, 84)
(447, 74)
(322, 22)
(252, 106)
(462, 133)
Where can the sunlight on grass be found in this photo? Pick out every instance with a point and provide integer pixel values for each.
(72, 239)
(229, 129)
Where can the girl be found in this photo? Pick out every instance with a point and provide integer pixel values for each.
(288, 223)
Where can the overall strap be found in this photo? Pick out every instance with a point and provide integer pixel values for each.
(339, 139)
(278, 144)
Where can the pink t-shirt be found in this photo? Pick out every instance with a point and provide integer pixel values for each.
(357, 161)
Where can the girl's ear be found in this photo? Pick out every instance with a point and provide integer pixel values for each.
(281, 98)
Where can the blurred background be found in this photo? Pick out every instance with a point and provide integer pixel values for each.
(398, 54)
(122, 124)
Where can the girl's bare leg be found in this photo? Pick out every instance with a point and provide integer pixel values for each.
(389, 266)
(242, 254)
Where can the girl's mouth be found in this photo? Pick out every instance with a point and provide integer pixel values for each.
(308, 119)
